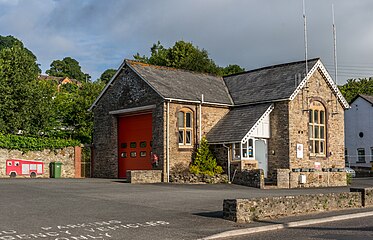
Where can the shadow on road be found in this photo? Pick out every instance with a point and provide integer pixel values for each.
(216, 214)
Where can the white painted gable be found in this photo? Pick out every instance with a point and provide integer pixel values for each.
(262, 129)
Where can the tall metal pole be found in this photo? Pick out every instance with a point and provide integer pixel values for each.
(335, 47)
(305, 35)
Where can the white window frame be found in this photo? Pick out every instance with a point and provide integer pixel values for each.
(312, 125)
(185, 128)
(241, 155)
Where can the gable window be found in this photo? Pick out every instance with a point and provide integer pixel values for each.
(361, 155)
(184, 121)
(316, 129)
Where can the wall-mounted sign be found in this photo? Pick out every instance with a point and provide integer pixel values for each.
(299, 150)
(317, 165)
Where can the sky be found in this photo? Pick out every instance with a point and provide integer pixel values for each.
(251, 33)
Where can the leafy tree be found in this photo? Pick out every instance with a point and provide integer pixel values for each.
(67, 67)
(204, 161)
(18, 74)
(185, 55)
(107, 75)
(232, 69)
(353, 87)
(10, 41)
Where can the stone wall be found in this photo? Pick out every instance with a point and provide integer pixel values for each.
(367, 196)
(290, 179)
(250, 178)
(127, 91)
(181, 156)
(144, 176)
(289, 127)
(69, 157)
(248, 210)
(318, 90)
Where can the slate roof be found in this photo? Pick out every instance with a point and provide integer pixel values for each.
(266, 84)
(237, 123)
(368, 98)
(182, 84)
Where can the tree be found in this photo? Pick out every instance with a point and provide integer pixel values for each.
(204, 161)
(232, 69)
(107, 75)
(353, 87)
(67, 67)
(185, 55)
(19, 90)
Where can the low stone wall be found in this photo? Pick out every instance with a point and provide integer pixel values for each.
(248, 210)
(70, 158)
(144, 176)
(366, 194)
(250, 178)
(187, 177)
(289, 179)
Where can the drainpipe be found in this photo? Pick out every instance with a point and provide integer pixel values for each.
(168, 142)
(229, 163)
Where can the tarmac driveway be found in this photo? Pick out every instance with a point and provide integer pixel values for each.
(64, 209)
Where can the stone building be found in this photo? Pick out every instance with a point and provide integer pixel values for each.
(275, 118)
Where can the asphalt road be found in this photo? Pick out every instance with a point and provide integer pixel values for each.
(354, 229)
(64, 209)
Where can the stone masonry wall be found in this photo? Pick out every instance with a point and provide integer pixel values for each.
(66, 156)
(144, 176)
(250, 178)
(318, 90)
(127, 91)
(180, 156)
(278, 144)
(248, 210)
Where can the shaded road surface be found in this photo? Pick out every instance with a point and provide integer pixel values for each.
(64, 209)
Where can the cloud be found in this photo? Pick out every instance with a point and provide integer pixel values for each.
(251, 33)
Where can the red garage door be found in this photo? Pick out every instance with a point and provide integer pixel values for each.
(134, 143)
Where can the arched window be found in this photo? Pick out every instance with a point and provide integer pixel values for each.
(317, 129)
(184, 121)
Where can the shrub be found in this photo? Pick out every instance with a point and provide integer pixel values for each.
(204, 161)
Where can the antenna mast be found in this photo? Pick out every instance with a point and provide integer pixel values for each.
(335, 47)
(305, 34)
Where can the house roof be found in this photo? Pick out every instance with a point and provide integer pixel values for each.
(367, 98)
(267, 84)
(237, 123)
(59, 80)
(181, 84)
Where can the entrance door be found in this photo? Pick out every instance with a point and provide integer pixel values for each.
(134, 143)
(261, 155)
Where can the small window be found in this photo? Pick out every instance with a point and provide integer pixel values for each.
(9, 164)
(142, 154)
(185, 130)
(346, 155)
(16, 164)
(123, 145)
(361, 155)
(133, 154)
(236, 151)
(133, 144)
(143, 144)
(123, 155)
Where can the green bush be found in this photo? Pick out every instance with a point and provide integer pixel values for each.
(25, 144)
(204, 161)
(349, 178)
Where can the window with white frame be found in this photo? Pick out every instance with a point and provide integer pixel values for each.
(316, 129)
(361, 155)
(243, 151)
(184, 119)
(248, 149)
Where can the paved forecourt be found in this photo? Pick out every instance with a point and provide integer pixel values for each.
(64, 209)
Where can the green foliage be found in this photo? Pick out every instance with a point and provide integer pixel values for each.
(185, 55)
(67, 67)
(20, 94)
(348, 178)
(24, 143)
(107, 75)
(353, 87)
(204, 161)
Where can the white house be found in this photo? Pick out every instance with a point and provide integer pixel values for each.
(359, 132)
